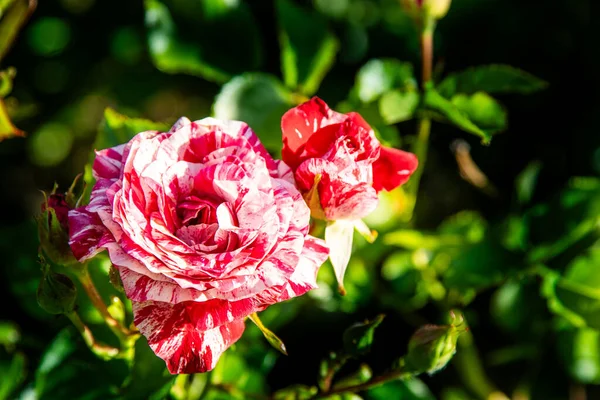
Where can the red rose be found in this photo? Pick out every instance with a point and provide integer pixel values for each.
(205, 229)
(340, 154)
(340, 166)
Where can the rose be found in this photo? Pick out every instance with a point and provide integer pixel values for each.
(337, 157)
(205, 229)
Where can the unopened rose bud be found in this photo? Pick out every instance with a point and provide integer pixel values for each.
(432, 346)
(53, 225)
(425, 9)
(56, 293)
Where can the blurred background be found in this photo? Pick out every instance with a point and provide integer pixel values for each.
(75, 58)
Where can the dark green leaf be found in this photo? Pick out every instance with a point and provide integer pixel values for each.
(211, 25)
(491, 79)
(573, 214)
(13, 374)
(398, 105)
(379, 76)
(480, 265)
(526, 181)
(307, 54)
(576, 295)
(435, 102)
(260, 100)
(68, 370)
(580, 352)
(508, 313)
(358, 338)
(148, 373)
(483, 110)
(411, 389)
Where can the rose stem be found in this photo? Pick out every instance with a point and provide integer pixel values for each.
(101, 350)
(421, 144)
(88, 285)
(379, 380)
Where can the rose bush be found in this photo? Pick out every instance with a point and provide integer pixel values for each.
(205, 229)
(339, 155)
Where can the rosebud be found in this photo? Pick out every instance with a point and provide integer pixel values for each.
(432, 346)
(425, 9)
(56, 293)
(53, 225)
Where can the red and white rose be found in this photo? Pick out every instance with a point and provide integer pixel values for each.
(340, 167)
(205, 229)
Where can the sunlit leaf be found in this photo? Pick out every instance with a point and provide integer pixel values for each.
(260, 100)
(214, 25)
(436, 102)
(576, 294)
(491, 79)
(117, 129)
(272, 338)
(398, 105)
(13, 15)
(307, 54)
(13, 375)
(379, 76)
(7, 129)
(483, 110)
(580, 352)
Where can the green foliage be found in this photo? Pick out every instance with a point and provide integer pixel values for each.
(483, 110)
(447, 110)
(172, 53)
(580, 352)
(412, 389)
(307, 54)
(491, 79)
(260, 100)
(117, 129)
(576, 294)
(359, 337)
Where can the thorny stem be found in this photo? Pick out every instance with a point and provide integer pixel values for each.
(378, 380)
(101, 350)
(88, 285)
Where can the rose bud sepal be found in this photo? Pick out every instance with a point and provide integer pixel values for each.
(431, 347)
(56, 293)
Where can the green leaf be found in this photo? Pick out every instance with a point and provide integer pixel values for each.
(358, 338)
(307, 54)
(411, 389)
(68, 370)
(573, 215)
(213, 25)
(13, 15)
(272, 338)
(576, 295)
(398, 105)
(508, 313)
(6, 81)
(495, 78)
(9, 334)
(480, 265)
(379, 76)
(580, 352)
(117, 129)
(233, 370)
(260, 100)
(526, 181)
(13, 375)
(296, 392)
(148, 373)
(435, 102)
(483, 110)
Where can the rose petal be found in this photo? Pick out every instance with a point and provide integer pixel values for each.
(173, 334)
(393, 168)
